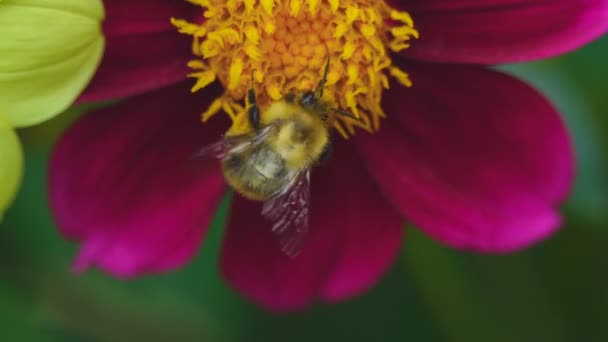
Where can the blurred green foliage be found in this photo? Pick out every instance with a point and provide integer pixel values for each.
(555, 291)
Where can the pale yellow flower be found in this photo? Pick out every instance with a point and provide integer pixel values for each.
(49, 50)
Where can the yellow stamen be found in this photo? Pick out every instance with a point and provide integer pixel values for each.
(285, 44)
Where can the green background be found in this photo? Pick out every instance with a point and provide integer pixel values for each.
(554, 291)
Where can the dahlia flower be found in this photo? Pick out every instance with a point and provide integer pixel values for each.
(474, 158)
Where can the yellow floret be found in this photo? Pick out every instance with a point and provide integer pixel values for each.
(286, 44)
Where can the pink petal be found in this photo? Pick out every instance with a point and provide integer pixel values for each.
(475, 158)
(499, 31)
(123, 181)
(143, 50)
(354, 236)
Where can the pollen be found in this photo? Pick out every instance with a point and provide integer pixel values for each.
(282, 46)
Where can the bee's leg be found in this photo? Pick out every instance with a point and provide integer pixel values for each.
(321, 85)
(324, 116)
(326, 154)
(290, 97)
(345, 113)
(254, 110)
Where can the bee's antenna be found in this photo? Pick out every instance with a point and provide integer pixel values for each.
(324, 79)
(251, 92)
(253, 110)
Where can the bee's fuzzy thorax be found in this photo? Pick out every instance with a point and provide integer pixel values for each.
(301, 136)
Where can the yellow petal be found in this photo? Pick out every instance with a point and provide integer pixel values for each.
(49, 51)
(11, 165)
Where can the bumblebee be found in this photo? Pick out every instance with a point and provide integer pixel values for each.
(272, 163)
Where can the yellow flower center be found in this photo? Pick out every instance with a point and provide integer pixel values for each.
(286, 44)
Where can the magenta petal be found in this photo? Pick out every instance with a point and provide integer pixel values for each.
(500, 31)
(123, 181)
(354, 236)
(143, 50)
(475, 158)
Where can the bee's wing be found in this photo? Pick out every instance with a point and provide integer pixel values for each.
(288, 210)
(237, 143)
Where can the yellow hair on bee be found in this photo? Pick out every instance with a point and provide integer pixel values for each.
(301, 136)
